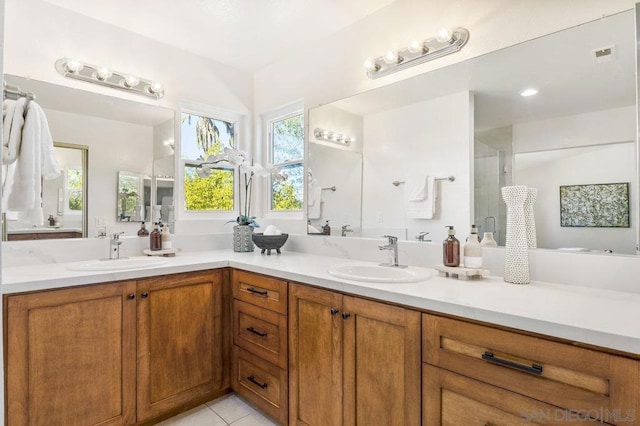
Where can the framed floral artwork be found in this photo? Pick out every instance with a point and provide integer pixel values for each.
(602, 205)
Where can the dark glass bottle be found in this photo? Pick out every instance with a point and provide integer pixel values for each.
(155, 238)
(143, 231)
(451, 249)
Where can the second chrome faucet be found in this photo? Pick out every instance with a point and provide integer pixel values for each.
(392, 246)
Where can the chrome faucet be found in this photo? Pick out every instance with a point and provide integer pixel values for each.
(420, 236)
(393, 246)
(345, 229)
(114, 245)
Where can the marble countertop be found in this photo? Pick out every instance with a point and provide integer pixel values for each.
(593, 316)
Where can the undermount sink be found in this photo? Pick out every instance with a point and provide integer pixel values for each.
(122, 264)
(379, 273)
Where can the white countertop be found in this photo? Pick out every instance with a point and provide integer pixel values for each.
(42, 230)
(599, 317)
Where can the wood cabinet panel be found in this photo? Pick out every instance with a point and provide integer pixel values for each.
(450, 399)
(261, 332)
(315, 356)
(382, 364)
(260, 290)
(260, 382)
(179, 341)
(560, 374)
(71, 356)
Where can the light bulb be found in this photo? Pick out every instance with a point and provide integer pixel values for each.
(73, 66)
(444, 35)
(416, 47)
(103, 73)
(131, 81)
(391, 57)
(156, 89)
(529, 92)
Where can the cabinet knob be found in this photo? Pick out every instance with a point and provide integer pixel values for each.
(144, 295)
(334, 311)
(131, 296)
(345, 315)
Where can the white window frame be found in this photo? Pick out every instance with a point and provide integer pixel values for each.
(290, 110)
(179, 196)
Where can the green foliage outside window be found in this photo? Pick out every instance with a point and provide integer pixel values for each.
(214, 192)
(287, 146)
(74, 189)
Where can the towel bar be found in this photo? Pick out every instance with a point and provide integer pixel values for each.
(330, 188)
(449, 178)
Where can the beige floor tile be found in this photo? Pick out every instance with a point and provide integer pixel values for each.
(254, 419)
(231, 408)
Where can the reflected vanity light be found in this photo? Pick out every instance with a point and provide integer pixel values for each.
(447, 41)
(334, 137)
(104, 76)
(529, 92)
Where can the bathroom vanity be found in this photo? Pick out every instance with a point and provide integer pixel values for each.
(307, 348)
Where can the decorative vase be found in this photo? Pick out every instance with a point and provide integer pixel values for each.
(516, 258)
(242, 241)
(529, 219)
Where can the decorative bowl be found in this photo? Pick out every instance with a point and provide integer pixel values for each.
(269, 242)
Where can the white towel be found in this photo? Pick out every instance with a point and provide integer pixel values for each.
(314, 201)
(13, 121)
(420, 197)
(35, 162)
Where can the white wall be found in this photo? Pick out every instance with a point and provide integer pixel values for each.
(437, 143)
(113, 146)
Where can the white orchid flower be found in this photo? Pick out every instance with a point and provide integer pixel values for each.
(235, 156)
(213, 159)
(203, 172)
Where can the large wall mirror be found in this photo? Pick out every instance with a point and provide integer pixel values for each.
(469, 121)
(120, 135)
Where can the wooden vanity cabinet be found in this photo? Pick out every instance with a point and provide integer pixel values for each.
(114, 354)
(179, 323)
(260, 352)
(352, 361)
(71, 356)
(575, 383)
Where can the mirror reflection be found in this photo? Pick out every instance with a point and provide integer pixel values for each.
(469, 120)
(63, 200)
(121, 135)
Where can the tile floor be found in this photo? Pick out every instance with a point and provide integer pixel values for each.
(227, 410)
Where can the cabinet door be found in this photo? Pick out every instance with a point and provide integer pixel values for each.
(179, 341)
(381, 364)
(315, 356)
(450, 399)
(71, 356)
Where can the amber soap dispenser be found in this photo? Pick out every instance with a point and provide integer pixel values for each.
(451, 249)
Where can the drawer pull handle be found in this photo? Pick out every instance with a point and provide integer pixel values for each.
(533, 369)
(254, 331)
(256, 291)
(253, 380)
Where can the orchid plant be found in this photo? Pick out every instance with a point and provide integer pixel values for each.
(247, 170)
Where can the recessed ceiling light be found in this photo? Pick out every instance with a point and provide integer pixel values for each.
(529, 92)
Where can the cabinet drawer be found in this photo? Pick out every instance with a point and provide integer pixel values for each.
(556, 373)
(262, 383)
(266, 292)
(450, 399)
(261, 332)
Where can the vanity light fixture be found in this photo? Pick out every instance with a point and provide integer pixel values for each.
(105, 76)
(447, 41)
(529, 92)
(329, 136)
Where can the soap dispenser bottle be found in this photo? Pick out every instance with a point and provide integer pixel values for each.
(473, 250)
(326, 229)
(155, 238)
(143, 231)
(451, 249)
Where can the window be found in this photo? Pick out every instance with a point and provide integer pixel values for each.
(286, 147)
(201, 137)
(74, 190)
